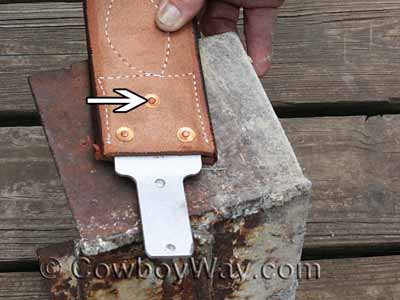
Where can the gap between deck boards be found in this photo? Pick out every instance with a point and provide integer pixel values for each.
(299, 110)
(326, 62)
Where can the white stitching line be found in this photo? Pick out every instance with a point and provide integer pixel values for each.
(108, 138)
(145, 74)
(167, 52)
(119, 55)
(196, 96)
(123, 59)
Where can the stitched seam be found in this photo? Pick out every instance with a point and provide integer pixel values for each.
(167, 53)
(195, 90)
(123, 59)
(144, 74)
(120, 57)
(108, 137)
(196, 96)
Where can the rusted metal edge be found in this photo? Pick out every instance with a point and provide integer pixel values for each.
(105, 205)
(273, 238)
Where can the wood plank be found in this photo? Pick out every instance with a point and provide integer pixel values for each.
(372, 278)
(23, 286)
(34, 210)
(354, 164)
(338, 53)
(36, 37)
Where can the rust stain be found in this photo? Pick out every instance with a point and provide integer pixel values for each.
(229, 237)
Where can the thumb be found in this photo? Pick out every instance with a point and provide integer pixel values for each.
(174, 14)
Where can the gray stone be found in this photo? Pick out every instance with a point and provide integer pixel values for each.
(256, 167)
(260, 187)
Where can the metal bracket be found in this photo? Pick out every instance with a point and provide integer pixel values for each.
(162, 201)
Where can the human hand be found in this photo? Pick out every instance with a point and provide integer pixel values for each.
(222, 16)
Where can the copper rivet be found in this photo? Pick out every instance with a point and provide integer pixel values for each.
(186, 134)
(152, 100)
(125, 134)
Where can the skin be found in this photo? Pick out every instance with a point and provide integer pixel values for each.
(219, 16)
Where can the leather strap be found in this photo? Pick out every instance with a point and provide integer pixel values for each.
(127, 50)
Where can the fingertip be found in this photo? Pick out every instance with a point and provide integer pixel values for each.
(167, 27)
(259, 28)
(172, 15)
(169, 17)
(262, 67)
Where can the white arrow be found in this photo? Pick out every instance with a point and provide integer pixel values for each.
(128, 101)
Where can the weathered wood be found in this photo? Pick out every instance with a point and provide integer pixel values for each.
(23, 286)
(338, 53)
(33, 207)
(372, 278)
(354, 164)
(35, 37)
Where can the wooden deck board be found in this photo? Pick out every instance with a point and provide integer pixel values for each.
(335, 51)
(354, 164)
(35, 37)
(326, 52)
(23, 286)
(373, 278)
(370, 278)
(34, 208)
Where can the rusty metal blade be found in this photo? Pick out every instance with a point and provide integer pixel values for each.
(104, 205)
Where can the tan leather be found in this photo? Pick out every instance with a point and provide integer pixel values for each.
(128, 51)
